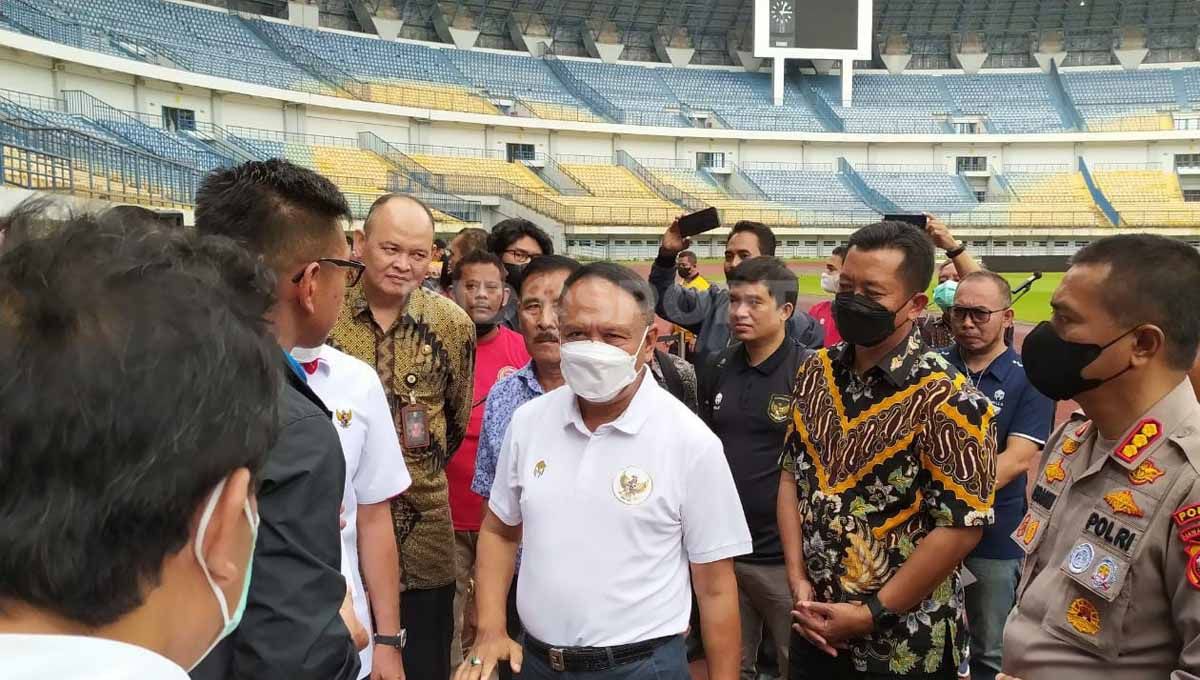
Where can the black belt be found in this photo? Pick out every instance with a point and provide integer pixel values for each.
(591, 659)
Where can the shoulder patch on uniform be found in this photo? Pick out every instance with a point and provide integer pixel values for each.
(1142, 436)
(1187, 519)
(1055, 472)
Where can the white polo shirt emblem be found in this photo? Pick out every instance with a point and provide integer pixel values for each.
(539, 469)
(632, 485)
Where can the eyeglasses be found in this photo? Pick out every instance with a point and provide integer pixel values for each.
(979, 315)
(354, 270)
(520, 256)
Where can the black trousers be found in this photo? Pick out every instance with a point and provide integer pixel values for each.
(428, 618)
(806, 662)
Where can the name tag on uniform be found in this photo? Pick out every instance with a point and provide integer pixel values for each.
(414, 419)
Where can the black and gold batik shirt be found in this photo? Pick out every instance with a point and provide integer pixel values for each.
(428, 355)
(881, 460)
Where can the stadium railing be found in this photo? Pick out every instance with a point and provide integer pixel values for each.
(101, 169)
(663, 189)
(31, 169)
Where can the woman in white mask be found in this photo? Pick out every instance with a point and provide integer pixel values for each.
(138, 409)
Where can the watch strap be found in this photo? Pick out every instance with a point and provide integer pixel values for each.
(962, 248)
(396, 641)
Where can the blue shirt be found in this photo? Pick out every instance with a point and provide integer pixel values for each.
(502, 401)
(1020, 411)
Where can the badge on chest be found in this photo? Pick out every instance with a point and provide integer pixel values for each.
(632, 485)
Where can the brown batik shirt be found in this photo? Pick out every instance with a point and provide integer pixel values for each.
(881, 460)
(428, 355)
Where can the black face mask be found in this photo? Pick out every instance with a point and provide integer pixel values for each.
(861, 320)
(684, 271)
(1055, 366)
(515, 272)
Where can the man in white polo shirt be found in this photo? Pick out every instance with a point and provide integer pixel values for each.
(375, 473)
(614, 488)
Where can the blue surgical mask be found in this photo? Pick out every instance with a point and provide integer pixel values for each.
(943, 294)
(231, 620)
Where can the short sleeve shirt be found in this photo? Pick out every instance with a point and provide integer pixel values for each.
(611, 519)
(748, 408)
(1020, 411)
(375, 469)
(881, 460)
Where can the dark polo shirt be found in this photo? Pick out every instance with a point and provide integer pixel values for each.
(748, 408)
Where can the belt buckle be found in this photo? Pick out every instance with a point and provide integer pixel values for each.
(556, 659)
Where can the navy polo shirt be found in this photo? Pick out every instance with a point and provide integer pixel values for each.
(749, 408)
(1020, 411)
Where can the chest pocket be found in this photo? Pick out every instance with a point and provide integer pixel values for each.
(1091, 607)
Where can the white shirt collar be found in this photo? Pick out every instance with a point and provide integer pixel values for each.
(634, 416)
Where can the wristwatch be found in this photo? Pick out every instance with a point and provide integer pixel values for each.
(884, 618)
(962, 247)
(396, 641)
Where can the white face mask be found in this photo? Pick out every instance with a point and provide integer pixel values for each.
(829, 282)
(305, 355)
(230, 620)
(597, 371)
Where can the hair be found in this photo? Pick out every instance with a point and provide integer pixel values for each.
(999, 281)
(687, 255)
(545, 264)
(622, 277)
(508, 231)
(386, 198)
(439, 243)
(1155, 280)
(137, 372)
(280, 211)
(772, 273)
(472, 238)
(130, 213)
(766, 237)
(478, 257)
(916, 271)
(839, 252)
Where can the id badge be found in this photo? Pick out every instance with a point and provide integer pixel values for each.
(415, 431)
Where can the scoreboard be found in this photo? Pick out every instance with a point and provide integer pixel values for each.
(812, 29)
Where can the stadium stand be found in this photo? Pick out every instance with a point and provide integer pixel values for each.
(1146, 195)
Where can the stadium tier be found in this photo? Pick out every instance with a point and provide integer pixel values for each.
(277, 54)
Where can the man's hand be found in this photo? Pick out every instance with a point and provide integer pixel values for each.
(387, 663)
(489, 650)
(830, 626)
(801, 589)
(357, 632)
(940, 233)
(672, 241)
(1002, 676)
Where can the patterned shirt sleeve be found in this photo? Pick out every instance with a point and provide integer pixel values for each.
(959, 455)
(460, 390)
(491, 435)
(793, 442)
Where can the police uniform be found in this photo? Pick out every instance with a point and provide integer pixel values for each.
(1111, 583)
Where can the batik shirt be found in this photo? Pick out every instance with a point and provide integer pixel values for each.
(880, 461)
(428, 355)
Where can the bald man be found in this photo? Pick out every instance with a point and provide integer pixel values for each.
(423, 347)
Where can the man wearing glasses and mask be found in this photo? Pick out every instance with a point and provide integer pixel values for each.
(516, 241)
(981, 313)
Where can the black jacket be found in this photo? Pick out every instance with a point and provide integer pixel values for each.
(292, 629)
